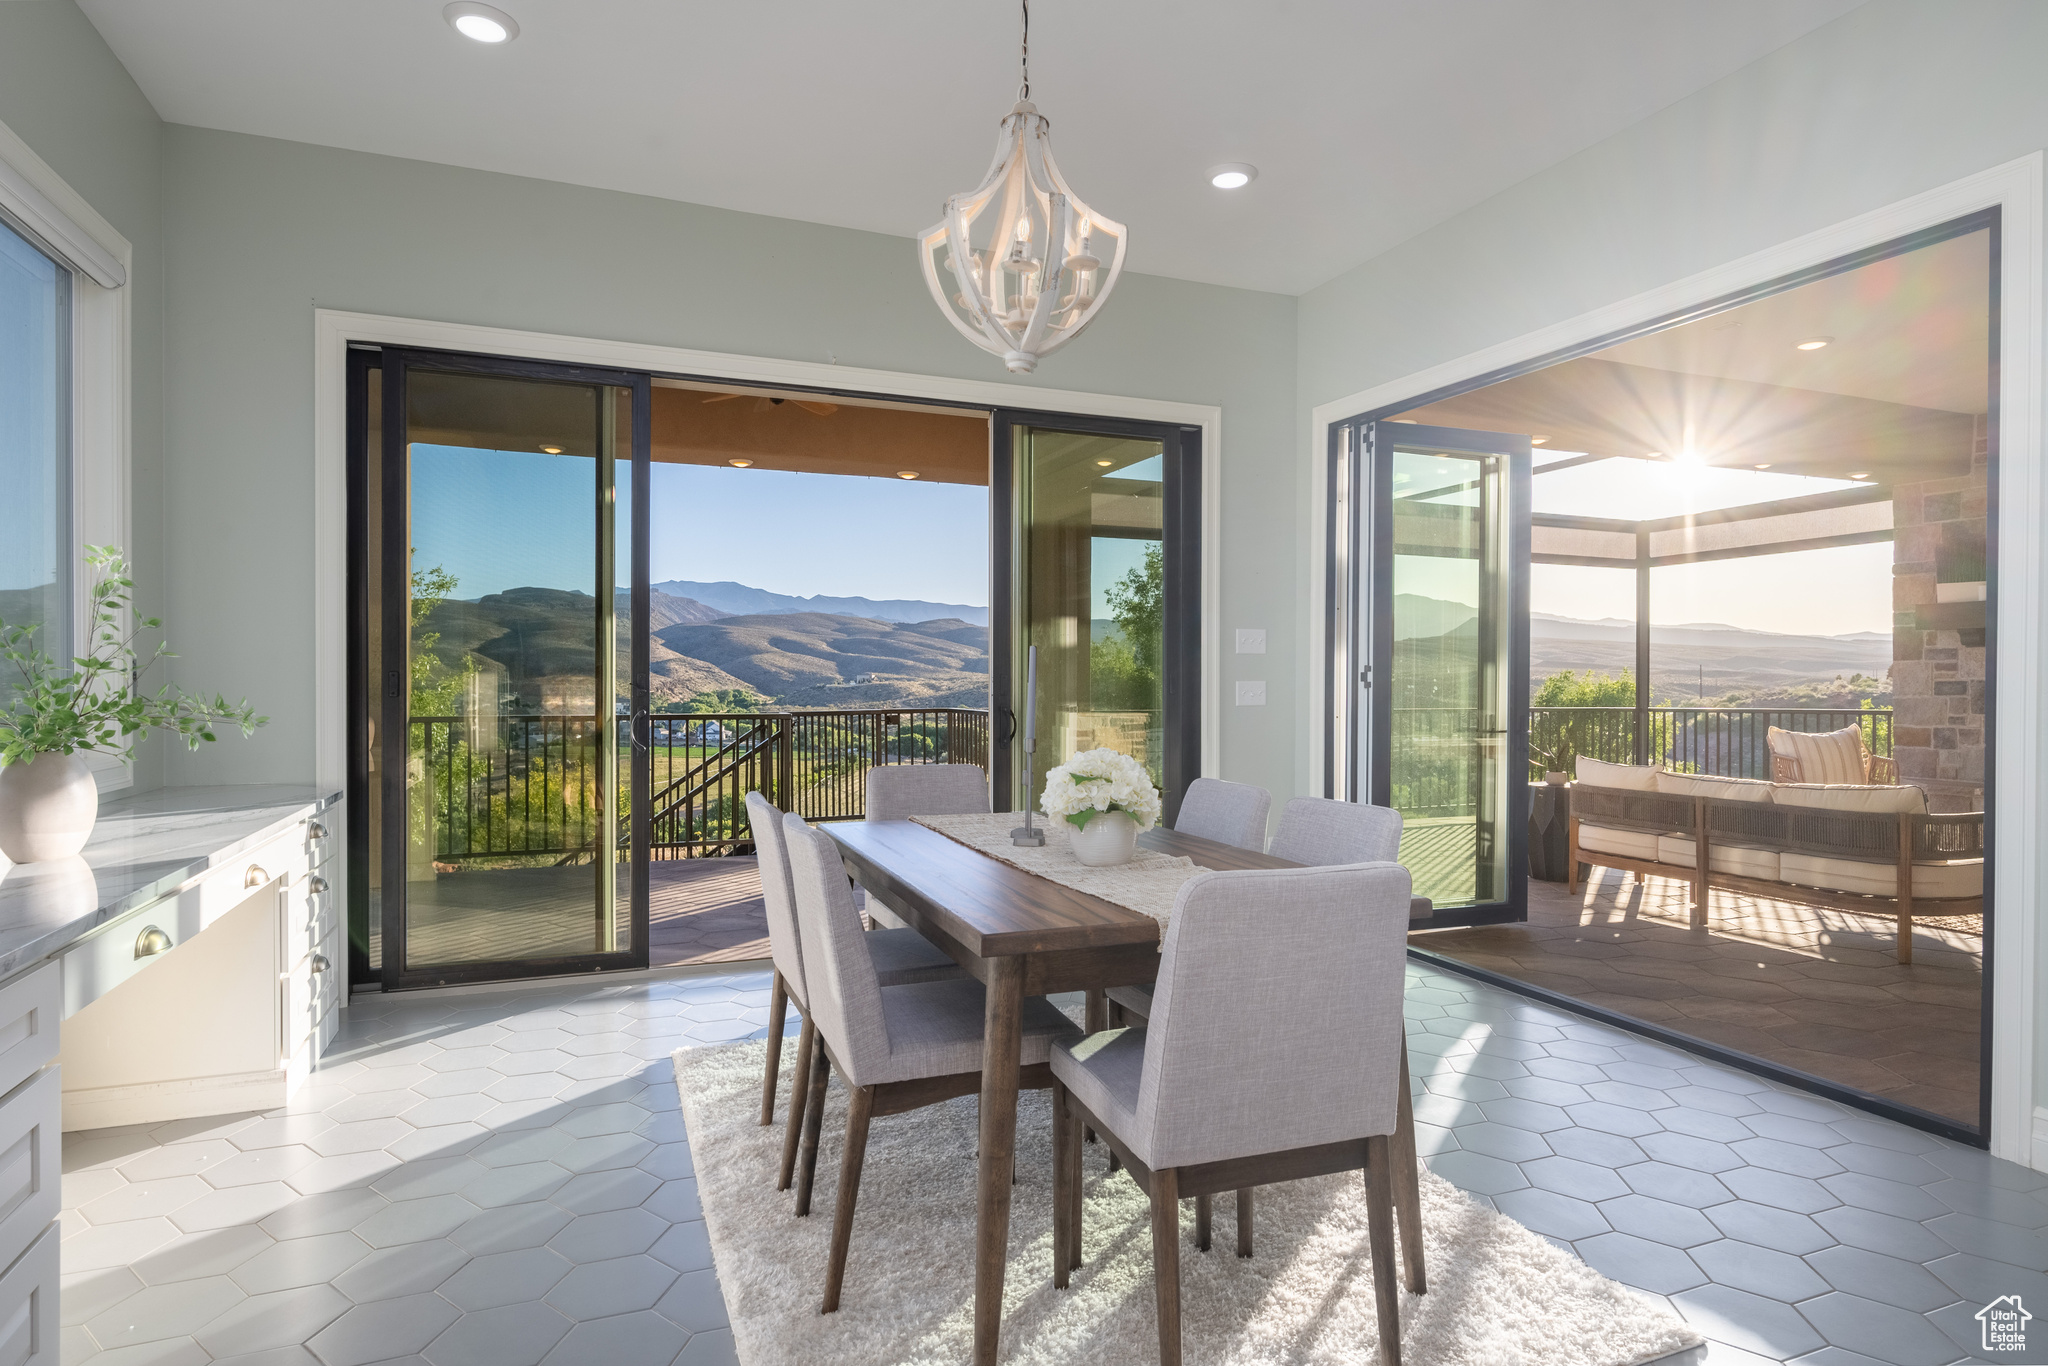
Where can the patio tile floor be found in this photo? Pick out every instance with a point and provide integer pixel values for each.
(1817, 990)
(563, 1226)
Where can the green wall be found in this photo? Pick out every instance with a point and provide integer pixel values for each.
(64, 93)
(259, 233)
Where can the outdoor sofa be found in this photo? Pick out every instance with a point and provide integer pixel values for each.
(1848, 846)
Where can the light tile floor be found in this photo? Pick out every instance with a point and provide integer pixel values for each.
(502, 1178)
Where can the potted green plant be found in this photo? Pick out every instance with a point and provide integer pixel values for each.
(93, 701)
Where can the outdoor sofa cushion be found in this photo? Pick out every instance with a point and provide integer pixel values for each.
(1882, 879)
(1707, 785)
(1829, 756)
(1721, 858)
(1632, 777)
(1851, 797)
(1627, 843)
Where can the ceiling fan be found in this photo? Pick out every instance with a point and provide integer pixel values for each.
(763, 404)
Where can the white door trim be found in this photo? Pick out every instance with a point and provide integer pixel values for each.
(333, 330)
(2015, 188)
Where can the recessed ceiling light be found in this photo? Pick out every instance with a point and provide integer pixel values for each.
(1233, 175)
(739, 464)
(484, 23)
(1763, 467)
(1105, 463)
(1653, 455)
(906, 474)
(1538, 440)
(551, 450)
(1859, 474)
(1814, 343)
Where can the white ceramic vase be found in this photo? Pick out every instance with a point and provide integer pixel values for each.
(47, 808)
(1109, 838)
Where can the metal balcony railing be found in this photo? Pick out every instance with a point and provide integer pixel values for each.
(519, 786)
(1435, 751)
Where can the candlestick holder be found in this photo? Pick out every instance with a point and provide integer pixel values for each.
(1027, 833)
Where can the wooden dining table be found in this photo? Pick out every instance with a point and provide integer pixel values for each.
(1020, 935)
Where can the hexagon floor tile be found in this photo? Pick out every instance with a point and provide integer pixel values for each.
(504, 1177)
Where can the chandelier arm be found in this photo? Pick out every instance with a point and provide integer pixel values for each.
(934, 237)
(1049, 271)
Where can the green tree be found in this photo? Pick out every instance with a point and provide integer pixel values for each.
(1137, 601)
(726, 700)
(1557, 737)
(437, 686)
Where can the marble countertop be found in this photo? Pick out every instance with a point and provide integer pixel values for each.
(144, 847)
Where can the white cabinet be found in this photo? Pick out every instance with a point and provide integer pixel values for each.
(28, 1306)
(231, 1013)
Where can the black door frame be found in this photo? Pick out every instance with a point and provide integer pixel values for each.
(1181, 552)
(392, 973)
(1371, 472)
(1341, 528)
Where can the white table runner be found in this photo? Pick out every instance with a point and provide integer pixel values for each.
(1148, 884)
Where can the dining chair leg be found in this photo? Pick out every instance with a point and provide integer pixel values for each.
(1064, 1161)
(814, 1118)
(799, 1099)
(860, 1109)
(778, 1007)
(1201, 1223)
(1076, 1230)
(1408, 1184)
(1244, 1221)
(1166, 1262)
(1094, 1019)
(1379, 1222)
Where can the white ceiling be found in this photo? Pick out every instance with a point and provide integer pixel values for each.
(1369, 120)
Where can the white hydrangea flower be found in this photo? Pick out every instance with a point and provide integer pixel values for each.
(1101, 780)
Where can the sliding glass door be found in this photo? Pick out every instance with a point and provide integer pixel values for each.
(507, 646)
(1097, 564)
(1441, 594)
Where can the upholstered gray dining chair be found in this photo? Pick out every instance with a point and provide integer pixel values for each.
(899, 956)
(1214, 1089)
(896, 792)
(898, 1047)
(1229, 813)
(1319, 832)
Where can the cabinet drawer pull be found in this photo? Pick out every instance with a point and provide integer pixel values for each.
(315, 830)
(255, 877)
(151, 942)
(316, 884)
(319, 962)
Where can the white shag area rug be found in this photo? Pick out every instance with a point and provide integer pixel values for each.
(1499, 1295)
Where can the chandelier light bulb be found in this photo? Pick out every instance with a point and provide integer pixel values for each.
(994, 284)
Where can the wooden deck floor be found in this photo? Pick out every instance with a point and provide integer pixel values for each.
(1814, 989)
(699, 911)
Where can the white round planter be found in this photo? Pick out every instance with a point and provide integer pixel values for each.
(47, 808)
(1109, 838)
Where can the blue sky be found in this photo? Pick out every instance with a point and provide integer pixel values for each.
(509, 519)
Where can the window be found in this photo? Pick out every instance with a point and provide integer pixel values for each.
(36, 556)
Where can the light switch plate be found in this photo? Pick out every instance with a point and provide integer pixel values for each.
(1250, 642)
(1251, 693)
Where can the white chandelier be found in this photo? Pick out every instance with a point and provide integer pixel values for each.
(1044, 260)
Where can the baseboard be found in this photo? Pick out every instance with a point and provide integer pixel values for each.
(154, 1102)
(2037, 1157)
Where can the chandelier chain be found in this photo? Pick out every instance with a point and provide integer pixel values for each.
(1024, 55)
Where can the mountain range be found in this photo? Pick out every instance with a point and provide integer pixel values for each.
(542, 637)
(814, 658)
(1687, 660)
(737, 599)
